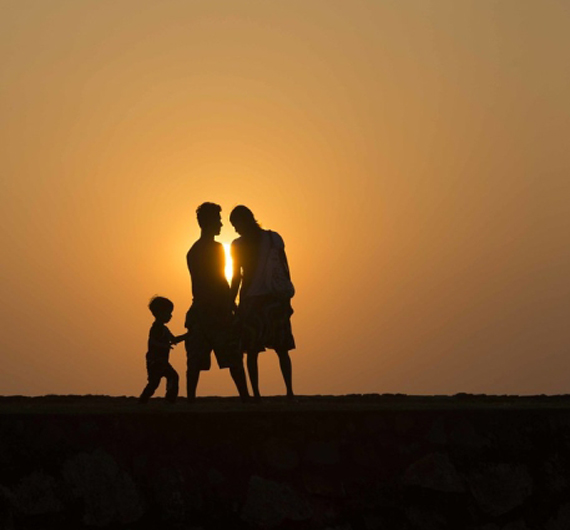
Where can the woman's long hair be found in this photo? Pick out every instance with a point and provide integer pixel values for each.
(245, 215)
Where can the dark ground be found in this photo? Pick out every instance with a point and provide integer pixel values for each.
(100, 404)
(354, 462)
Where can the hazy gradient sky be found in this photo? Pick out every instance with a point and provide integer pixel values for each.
(413, 155)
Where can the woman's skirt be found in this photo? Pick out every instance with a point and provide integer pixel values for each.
(265, 323)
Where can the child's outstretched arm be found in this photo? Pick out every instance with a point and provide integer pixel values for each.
(180, 338)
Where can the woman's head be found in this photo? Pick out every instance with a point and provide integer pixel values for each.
(243, 220)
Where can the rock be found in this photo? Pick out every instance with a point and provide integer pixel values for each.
(215, 478)
(560, 422)
(128, 500)
(410, 449)
(324, 511)
(373, 425)
(513, 525)
(421, 518)
(36, 495)
(270, 503)
(561, 521)
(511, 437)
(436, 434)
(463, 434)
(6, 515)
(434, 471)
(171, 496)
(364, 454)
(324, 487)
(109, 494)
(322, 453)
(372, 521)
(280, 456)
(499, 488)
(403, 424)
(553, 474)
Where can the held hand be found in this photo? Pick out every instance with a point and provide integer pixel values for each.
(179, 339)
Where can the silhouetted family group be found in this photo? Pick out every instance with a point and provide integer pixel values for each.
(214, 322)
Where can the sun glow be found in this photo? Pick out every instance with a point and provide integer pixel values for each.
(229, 262)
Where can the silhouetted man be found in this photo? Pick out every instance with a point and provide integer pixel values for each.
(209, 319)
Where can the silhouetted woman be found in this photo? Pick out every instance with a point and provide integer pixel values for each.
(260, 267)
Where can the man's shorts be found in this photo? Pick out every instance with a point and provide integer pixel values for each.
(212, 331)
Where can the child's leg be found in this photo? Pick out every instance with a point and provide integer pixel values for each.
(154, 377)
(171, 383)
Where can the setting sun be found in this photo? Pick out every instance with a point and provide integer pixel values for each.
(229, 262)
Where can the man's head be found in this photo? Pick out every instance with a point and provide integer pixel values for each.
(209, 217)
(161, 308)
(243, 220)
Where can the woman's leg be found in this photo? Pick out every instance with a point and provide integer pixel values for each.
(286, 370)
(238, 375)
(253, 373)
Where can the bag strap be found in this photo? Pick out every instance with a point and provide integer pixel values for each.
(263, 257)
(281, 261)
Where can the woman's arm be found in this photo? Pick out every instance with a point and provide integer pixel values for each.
(236, 272)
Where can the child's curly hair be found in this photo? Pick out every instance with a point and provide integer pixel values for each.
(159, 304)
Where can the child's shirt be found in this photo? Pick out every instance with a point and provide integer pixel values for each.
(159, 341)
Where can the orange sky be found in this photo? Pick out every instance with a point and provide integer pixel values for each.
(413, 155)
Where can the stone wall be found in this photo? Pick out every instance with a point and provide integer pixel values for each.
(287, 467)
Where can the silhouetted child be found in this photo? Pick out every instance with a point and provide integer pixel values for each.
(160, 341)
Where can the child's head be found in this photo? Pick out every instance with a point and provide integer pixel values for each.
(161, 308)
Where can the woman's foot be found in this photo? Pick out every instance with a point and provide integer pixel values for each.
(291, 398)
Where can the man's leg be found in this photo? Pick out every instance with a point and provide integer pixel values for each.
(286, 370)
(192, 376)
(238, 375)
(192, 369)
(253, 373)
